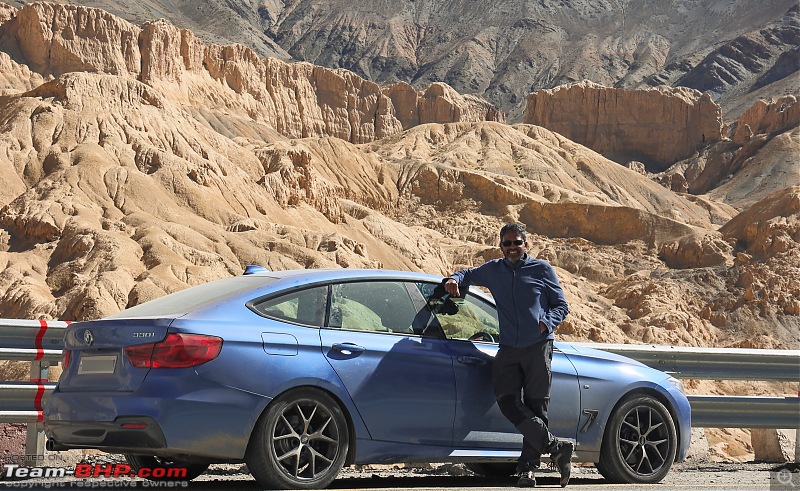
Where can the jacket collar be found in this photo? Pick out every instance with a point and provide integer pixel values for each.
(525, 259)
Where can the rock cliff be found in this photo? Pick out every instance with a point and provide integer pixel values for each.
(657, 126)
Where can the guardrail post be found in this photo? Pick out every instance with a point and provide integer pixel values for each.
(35, 437)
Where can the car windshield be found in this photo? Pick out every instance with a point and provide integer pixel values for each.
(181, 302)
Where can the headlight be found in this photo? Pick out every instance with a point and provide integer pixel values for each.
(678, 384)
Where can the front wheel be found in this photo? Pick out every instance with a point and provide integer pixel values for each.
(300, 442)
(162, 469)
(640, 442)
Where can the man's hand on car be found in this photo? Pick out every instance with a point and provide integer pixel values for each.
(451, 287)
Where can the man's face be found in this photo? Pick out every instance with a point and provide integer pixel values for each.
(513, 246)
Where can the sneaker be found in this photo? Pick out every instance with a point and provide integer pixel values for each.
(526, 477)
(563, 459)
(527, 480)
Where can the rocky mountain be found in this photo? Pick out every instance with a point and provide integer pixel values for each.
(502, 51)
(140, 160)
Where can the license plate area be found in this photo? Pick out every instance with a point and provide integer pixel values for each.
(95, 365)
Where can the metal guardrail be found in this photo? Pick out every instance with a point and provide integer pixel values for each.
(745, 412)
(41, 343)
(19, 401)
(712, 363)
(725, 364)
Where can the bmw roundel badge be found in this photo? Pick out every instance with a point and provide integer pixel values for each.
(88, 337)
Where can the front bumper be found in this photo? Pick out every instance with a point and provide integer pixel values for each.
(682, 412)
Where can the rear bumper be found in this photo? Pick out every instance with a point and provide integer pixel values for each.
(123, 435)
(212, 423)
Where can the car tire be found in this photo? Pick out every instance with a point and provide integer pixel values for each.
(639, 443)
(603, 470)
(492, 469)
(162, 469)
(300, 441)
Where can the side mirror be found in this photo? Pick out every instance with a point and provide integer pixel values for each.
(444, 303)
(439, 292)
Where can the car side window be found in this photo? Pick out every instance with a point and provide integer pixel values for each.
(470, 318)
(383, 306)
(306, 307)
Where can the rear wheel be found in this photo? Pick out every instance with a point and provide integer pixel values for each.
(300, 442)
(163, 469)
(640, 442)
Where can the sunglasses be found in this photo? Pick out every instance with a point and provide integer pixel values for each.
(509, 243)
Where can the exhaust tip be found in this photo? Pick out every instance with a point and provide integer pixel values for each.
(53, 446)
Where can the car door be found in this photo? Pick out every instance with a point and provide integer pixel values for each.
(471, 328)
(402, 383)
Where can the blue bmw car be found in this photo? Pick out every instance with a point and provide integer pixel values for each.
(299, 373)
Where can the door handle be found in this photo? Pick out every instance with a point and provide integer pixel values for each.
(471, 360)
(348, 349)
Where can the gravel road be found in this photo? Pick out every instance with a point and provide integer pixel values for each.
(687, 475)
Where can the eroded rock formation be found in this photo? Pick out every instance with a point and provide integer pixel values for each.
(159, 162)
(657, 126)
(298, 100)
(766, 117)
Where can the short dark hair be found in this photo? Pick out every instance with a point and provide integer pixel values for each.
(515, 228)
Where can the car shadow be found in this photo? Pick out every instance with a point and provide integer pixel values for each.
(405, 482)
(448, 482)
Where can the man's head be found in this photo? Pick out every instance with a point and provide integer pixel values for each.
(513, 242)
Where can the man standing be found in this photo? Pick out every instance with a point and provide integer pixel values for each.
(530, 305)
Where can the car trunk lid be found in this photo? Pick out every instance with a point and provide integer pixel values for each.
(97, 358)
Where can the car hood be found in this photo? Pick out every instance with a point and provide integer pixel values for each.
(583, 350)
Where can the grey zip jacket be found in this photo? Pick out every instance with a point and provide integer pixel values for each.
(526, 294)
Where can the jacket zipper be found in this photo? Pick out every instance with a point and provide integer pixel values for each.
(514, 303)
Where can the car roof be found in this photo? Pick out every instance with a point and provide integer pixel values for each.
(313, 275)
(255, 282)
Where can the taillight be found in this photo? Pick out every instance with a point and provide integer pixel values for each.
(66, 355)
(177, 350)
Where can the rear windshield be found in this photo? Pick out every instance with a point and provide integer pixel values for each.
(184, 301)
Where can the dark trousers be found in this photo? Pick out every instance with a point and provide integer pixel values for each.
(522, 379)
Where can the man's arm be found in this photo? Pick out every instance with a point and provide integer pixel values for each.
(473, 276)
(558, 307)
